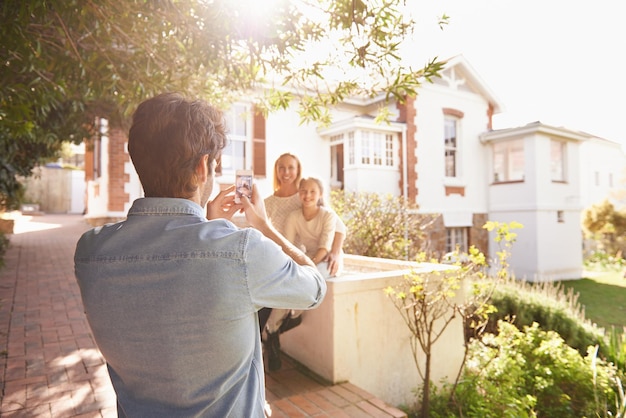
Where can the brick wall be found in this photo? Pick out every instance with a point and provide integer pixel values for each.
(478, 236)
(407, 113)
(118, 157)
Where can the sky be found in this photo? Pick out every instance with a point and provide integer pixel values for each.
(560, 62)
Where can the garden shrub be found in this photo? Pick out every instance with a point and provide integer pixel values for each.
(530, 373)
(551, 307)
(601, 261)
(383, 226)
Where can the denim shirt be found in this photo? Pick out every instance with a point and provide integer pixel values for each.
(172, 301)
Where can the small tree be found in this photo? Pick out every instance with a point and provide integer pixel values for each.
(428, 303)
(607, 226)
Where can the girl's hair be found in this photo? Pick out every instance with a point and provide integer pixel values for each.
(320, 185)
(299, 175)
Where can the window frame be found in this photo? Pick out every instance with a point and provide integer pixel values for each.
(457, 236)
(371, 148)
(512, 151)
(451, 146)
(237, 155)
(558, 169)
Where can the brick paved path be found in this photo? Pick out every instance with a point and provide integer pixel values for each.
(50, 366)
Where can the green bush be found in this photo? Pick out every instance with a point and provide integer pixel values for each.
(530, 373)
(616, 350)
(547, 304)
(381, 226)
(602, 261)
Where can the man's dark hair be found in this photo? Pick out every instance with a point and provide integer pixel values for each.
(168, 137)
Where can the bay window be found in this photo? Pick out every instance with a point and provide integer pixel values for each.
(508, 161)
(557, 160)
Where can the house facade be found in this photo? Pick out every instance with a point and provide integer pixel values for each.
(438, 150)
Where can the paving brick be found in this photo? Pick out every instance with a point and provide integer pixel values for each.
(288, 408)
(394, 412)
(334, 398)
(304, 404)
(346, 394)
(372, 410)
(357, 390)
(321, 401)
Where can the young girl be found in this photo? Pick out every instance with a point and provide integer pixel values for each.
(313, 227)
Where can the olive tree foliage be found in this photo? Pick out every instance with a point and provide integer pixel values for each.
(63, 62)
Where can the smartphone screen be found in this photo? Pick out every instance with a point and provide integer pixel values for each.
(243, 184)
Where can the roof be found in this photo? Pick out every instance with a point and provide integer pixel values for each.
(533, 128)
(460, 63)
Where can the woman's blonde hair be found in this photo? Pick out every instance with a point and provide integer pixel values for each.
(299, 175)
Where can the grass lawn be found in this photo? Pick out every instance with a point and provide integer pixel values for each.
(603, 295)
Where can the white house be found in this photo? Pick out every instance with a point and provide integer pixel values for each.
(439, 150)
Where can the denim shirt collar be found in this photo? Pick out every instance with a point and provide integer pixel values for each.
(165, 206)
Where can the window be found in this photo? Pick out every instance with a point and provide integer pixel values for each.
(557, 160)
(560, 216)
(456, 237)
(235, 155)
(351, 148)
(370, 148)
(508, 161)
(362, 143)
(376, 149)
(336, 161)
(366, 150)
(450, 147)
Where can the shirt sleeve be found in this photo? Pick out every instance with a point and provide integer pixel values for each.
(276, 281)
(328, 231)
(340, 226)
(291, 230)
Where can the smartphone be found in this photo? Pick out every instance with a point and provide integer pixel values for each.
(243, 184)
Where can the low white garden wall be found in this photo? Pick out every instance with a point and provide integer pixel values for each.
(358, 336)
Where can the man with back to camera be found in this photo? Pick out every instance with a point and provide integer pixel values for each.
(172, 297)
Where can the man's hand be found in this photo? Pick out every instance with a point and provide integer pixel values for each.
(223, 206)
(257, 218)
(254, 209)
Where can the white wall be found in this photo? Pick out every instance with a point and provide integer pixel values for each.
(600, 160)
(546, 249)
(98, 189)
(133, 185)
(374, 180)
(431, 181)
(78, 192)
